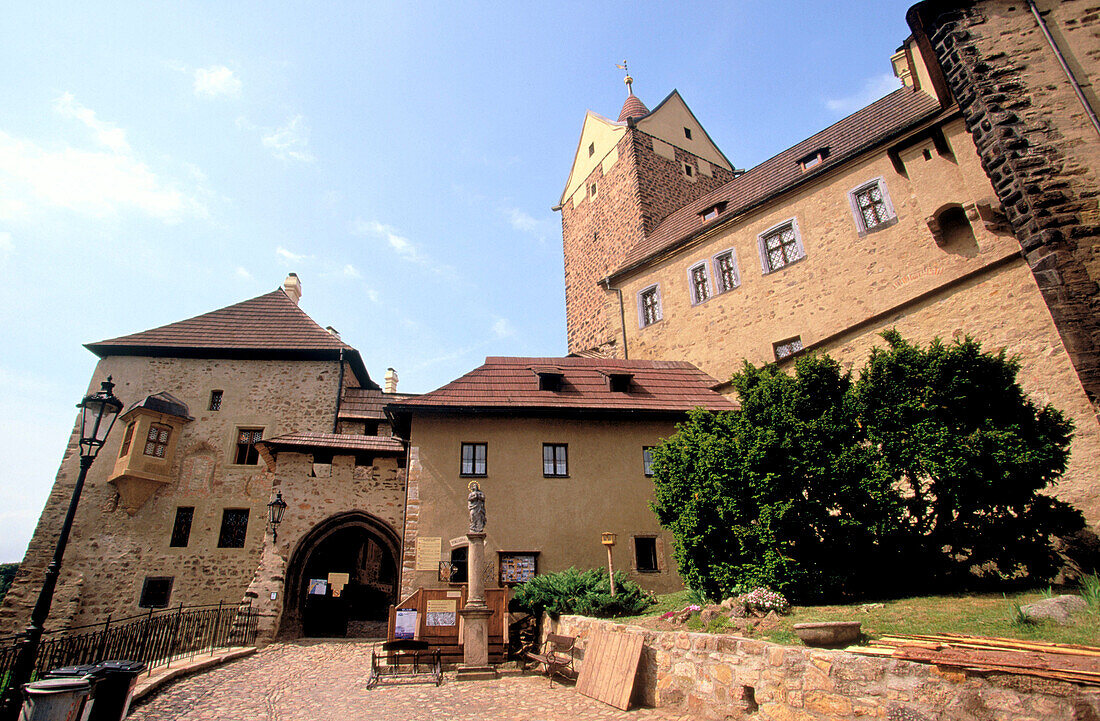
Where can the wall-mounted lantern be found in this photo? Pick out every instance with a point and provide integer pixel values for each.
(275, 511)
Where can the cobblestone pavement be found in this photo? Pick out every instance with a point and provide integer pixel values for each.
(325, 681)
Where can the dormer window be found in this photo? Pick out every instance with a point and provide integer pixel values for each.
(619, 382)
(713, 211)
(549, 378)
(814, 159)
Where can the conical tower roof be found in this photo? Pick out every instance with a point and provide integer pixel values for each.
(633, 107)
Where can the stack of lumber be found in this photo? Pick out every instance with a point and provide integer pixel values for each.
(1060, 661)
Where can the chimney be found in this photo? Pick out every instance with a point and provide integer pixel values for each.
(333, 331)
(293, 287)
(391, 380)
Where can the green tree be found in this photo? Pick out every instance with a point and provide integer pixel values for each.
(970, 453)
(783, 493)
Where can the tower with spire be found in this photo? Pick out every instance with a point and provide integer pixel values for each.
(627, 176)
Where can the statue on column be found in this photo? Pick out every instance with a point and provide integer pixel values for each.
(476, 503)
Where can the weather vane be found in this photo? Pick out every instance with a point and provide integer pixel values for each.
(628, 80)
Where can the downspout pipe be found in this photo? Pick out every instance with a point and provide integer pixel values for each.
(1065, 66)
(622, 314)
(339, 395)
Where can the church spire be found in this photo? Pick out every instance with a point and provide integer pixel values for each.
(633, 107)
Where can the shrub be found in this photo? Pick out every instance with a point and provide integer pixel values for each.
(586, 593)
(765, 600)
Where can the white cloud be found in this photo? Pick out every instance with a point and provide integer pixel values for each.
(216, 80)
(502, 328)
(873, 89)
(350, 271)
(521, 221)
(399, 243)
(243, 274)
(288, 257)
(99, 182)
(289, 141)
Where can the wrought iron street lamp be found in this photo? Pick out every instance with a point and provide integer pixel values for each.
(275, 511)
(98, 412)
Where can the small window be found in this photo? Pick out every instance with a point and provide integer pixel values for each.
(215, 400)
(645, 550)
(871, 207)
(726, 276)
(181, 529)
(126, 439)
(592, 190)
(555, 459)
(688, 169)
(156, 592)
(649, 306)
(700, 283)
(687, 133)
(247, 454)
(619, 382)
(647, 460)
(814, 159)
(473, 459)
(459, 564)
(156, 443)
(927, 154)
(780, 246)
(713, 211)
(234, 527)
(787, 348)
(591, 149)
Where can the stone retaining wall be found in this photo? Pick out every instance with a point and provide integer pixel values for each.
(723, 676)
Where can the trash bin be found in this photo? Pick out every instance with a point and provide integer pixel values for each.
(55, 699)
(116, 688)
(88, 672)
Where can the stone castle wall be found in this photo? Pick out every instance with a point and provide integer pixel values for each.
(1036, 143)
(110, 552)
(724, 676)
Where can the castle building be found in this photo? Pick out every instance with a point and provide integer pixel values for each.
(886, 219)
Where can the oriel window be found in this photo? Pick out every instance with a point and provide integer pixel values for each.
(156, 442)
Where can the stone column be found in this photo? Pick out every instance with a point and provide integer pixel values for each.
(475, 616)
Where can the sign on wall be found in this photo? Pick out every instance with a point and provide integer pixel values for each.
(442, 612)
(517, 567)
(429, 551)
(404, 623)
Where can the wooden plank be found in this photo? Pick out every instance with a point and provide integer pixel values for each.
(610, 668)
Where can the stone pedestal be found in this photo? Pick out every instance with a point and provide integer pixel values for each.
(475, 617)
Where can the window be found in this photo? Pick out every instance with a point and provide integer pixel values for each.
(555, 459)
(473, 459)
(129, 436)
(649, 306)
(871, 207)
(234, 526)
(592, 190)
(780, 246)
(550, 379)
(814, 159)
(687, 133)
(459, 564)
(699, 282)
(619, 382)
(726, 276)
(156, 592)
(247, 438)
(156, 443)
(181, 529)
(714, 211)
(647, 460)
(645, 552)
(591, 149)
(215, 400)
(787, 348)
(689, 169)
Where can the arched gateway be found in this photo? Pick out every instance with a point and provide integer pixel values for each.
(354, 543)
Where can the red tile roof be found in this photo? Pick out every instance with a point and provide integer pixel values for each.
(633, 108)
(268, 326)
(366, 403)
(878, 121)
(511, 383)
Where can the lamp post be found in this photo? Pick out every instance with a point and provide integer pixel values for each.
(607, 538)
(97, 414)
(275, 511)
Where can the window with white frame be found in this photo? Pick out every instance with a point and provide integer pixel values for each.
(647, 460)
(871, 206)
(649, 306)
(726, 275)
(787, 348)
(780, 246)
(699, 282)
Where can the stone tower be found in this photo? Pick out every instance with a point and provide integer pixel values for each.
(627, 176)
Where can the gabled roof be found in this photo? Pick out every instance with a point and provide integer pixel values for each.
(367, 403)
(269, 448)
(665, 387)
(902, 109)
(270, 326)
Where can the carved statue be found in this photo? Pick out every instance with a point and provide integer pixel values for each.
(476, 502)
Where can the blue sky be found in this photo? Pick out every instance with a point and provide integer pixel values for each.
(160, 160)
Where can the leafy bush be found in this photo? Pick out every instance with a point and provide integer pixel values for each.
(585, 593)
(7, 575)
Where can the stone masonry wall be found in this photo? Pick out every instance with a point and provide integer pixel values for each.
(112, 551)
(662, 185)
(1036, 143)
(724, 676)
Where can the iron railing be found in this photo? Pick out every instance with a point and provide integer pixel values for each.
(155, 638)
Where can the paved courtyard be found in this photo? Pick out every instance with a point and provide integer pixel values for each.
(325, 681)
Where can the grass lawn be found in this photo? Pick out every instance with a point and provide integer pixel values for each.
(973, 614)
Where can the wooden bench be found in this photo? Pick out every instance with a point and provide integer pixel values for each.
(556, 656)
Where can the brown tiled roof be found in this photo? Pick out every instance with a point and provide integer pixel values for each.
(510, 383)
(268, 326)
(269, 447)
(880, 120)
(366, 403)
(633, 108)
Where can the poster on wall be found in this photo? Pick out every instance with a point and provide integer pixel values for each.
(517, 567)
(318, 586)
(442, 612)
(429, 550)
(404, 623)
